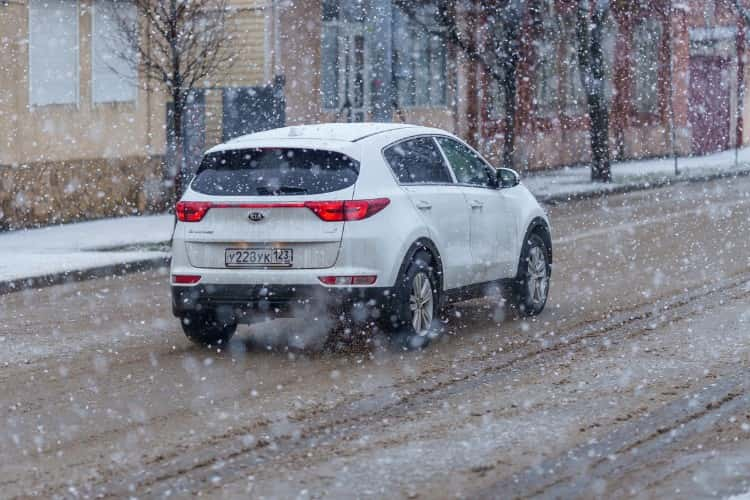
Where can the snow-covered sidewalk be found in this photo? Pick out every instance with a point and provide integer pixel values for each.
(35, 257)
(573, 182)
(55, 251)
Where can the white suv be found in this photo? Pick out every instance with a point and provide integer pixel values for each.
(379, 223)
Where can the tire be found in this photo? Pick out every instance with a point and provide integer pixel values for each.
(413, 320)
(531, 286)
(205, 329)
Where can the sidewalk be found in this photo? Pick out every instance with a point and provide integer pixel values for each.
(575, 182)
(54, 254)
(39, 257)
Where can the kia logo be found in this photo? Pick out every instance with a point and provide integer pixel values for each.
(256, 216)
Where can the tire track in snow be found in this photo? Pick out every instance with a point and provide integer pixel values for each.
(328, 429)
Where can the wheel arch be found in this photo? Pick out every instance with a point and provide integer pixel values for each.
(424, 244)
(537, 226)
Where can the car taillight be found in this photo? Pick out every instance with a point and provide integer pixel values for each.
(191, 211)
(361, 209)
(185, 279)
(348, 280)
(329, 211)
(350, 210)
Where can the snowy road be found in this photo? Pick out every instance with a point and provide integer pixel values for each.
(633, 382)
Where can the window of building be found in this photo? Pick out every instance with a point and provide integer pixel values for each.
(546, 81)
(344, 58)
(558, 87)
(420, 57)
(496, 101)
(329, 66)
(113, 76)
(572, 92)
(646, 40)
(609, 48)
(53, 52)
(418, 161)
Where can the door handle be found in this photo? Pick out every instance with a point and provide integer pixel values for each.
(424, 205)
(476, 204)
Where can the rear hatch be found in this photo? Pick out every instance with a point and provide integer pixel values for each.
(268, 208)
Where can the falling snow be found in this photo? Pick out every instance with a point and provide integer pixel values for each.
(626, 120)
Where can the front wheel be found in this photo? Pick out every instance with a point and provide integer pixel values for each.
(206, 329)
(532, 283)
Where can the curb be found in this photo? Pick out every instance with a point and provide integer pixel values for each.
(554, 199)
(18, 285)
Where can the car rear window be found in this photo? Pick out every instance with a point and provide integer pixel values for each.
(274, 171)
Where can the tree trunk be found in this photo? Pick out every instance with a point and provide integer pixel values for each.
(510, 49)
(177, 167)
(509, 141)
(599, 119)
(472, 82)
(591, 61)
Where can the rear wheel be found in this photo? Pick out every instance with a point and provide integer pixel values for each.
(414, 318)
(532, 283)
(206, 329)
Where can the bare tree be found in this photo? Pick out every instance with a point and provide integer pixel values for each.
(488, 33)
(591, 16)
(175, 44)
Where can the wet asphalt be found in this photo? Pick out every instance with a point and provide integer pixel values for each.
(633, 382)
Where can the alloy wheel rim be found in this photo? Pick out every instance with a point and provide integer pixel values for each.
(537, 278)
(421, 303)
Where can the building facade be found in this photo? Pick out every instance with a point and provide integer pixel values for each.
(75, 140)
(79, 140)
(82, 136)
(668, 67)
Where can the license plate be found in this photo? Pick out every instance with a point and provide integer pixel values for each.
(258, 257)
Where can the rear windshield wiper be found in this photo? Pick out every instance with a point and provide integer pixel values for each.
(265, 191)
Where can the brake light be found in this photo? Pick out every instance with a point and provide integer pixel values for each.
(350, 210)
(362, 209)
(329, 211)
(191, 211)
(185, 279)
(348, 280)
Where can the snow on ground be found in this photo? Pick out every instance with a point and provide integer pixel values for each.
(30, 253)
(93, 235)
(572, 181)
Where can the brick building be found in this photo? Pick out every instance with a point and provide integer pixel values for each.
(688, 54)
(329, 65)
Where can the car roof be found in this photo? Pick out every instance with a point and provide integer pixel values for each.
(347, 132)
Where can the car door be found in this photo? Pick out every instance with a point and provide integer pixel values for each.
(420, 169)
(493, 221)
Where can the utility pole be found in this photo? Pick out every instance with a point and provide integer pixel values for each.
(741, 40)
(670, 41)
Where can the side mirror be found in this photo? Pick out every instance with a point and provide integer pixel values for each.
(507, 178)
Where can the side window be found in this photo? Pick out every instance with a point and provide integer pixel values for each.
(468, 167)
(418, 161)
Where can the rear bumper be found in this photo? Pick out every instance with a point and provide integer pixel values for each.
(248, 301)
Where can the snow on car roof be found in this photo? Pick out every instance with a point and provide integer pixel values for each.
(350, 132)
